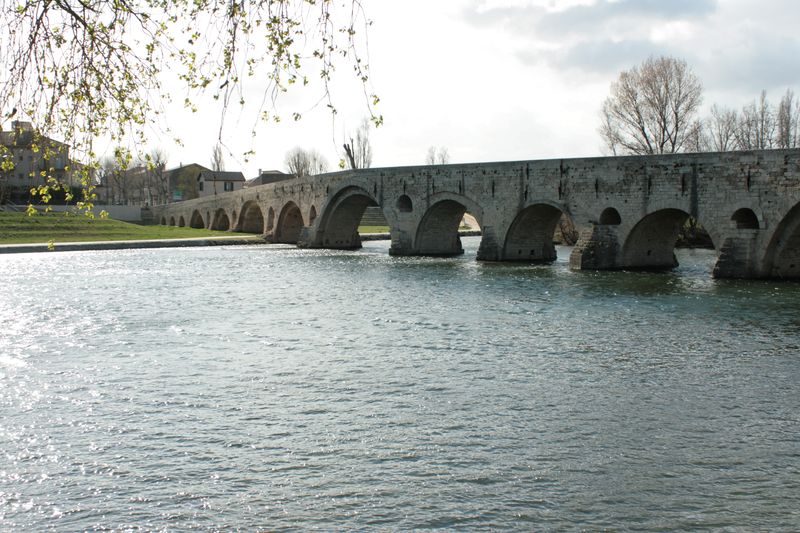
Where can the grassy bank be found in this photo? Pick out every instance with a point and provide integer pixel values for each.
(373, 229)
(18, 228)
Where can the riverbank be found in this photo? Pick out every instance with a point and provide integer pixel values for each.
(224, 240)
(19, 228)
(230, 240)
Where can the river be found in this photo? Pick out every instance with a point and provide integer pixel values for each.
(270, 388)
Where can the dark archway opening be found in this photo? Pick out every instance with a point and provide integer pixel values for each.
(163, 221)
(532, 234)
(290, 224)
(171, 221)
(745, 219)
(437, 233)
(221, 221)
(197, 220)
(783, 252)
(651, 243)
(346, 216)
(404, 204)
(610, 217)
(251, 220)
(181, 222)
(693, 235)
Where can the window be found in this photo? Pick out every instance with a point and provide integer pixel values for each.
(200, 186)
(228, 185)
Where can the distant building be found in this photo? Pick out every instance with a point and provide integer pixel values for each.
(182, 182)
(268, 176)
(210, 182)
(32, 159)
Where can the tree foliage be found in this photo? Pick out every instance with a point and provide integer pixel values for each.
(651, 108)
(94, 69)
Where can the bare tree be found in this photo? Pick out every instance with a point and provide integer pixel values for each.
(720, 129)
(651, 108)
(157, 189)
(696, 138)
(755, 129)
(430, 158)
(114, 176)
(359, 150)
(788, 120)
(217, 159)
(301, 162)
(437, 156)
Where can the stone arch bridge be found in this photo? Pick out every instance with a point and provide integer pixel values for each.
(630, 210)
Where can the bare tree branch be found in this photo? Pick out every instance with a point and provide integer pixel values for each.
(652, 108)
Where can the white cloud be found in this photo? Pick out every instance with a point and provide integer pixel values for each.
(507, 79)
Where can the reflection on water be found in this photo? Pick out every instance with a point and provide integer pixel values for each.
(273, 388)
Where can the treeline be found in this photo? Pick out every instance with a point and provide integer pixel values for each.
(128, 179)
(758, 125)
(653, 108)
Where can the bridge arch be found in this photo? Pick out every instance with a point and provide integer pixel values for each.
(650, 244)
(290, 223)
(530, 236)
(197, 220)
(437, 232)
(181, 222)
(221, 222)
(341, 215)
(745, 218)
(610, 217)
(782, 257)
(251, 218)
(404, 204)
(171, 221)
(163, 221)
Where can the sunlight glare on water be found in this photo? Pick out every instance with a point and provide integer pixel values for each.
(269, 388)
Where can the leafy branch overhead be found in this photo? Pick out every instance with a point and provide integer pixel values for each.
(92, 69)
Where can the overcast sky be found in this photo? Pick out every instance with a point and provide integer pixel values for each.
(495, 80)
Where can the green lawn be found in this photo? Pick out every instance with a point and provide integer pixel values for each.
(373, 229)
(19, 228)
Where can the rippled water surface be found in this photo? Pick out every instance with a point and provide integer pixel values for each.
(268, 388)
